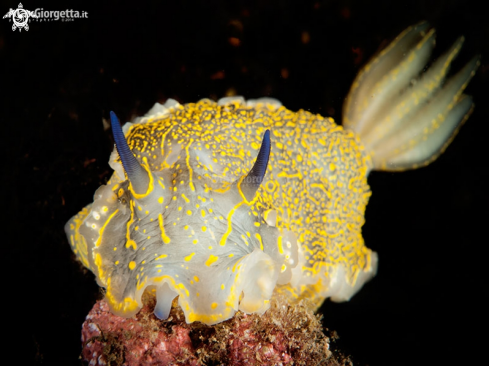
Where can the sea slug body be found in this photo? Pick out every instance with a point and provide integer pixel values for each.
(221, 204)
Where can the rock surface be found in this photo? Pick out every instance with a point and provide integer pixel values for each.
(284, 335)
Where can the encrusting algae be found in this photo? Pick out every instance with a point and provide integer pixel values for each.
(285, 335)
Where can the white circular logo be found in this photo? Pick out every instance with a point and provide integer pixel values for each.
(20, 18)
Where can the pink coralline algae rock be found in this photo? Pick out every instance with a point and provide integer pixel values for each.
(110, 339)
(284, 335)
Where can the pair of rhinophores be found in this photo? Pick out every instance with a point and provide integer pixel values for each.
(221, 204)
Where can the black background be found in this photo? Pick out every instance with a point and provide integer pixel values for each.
(428, 303)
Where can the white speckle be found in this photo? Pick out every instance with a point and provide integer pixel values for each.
(93, 328)
(96, 215)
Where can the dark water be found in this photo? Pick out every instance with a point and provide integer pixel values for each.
(427, 304)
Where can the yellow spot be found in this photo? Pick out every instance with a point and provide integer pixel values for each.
(196, 279)
(214, 305)
(115, 248)
(131, 243)
(257, 224)
(160, 200)
(210, 247)
(116, 263)
(203, 213)
(161, 256)
(185, 198)
(132, 265)
(204, 228)
(189, 257)
(222, 286)
(195, 241)
(164, 237)
(186, 227)
(189, 212)
(258, 236)
(280, 247)
(231, 255)
(210, 260)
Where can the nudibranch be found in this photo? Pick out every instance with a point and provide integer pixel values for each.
(221, 204)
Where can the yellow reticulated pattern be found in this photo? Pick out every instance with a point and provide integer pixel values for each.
(195, 235)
